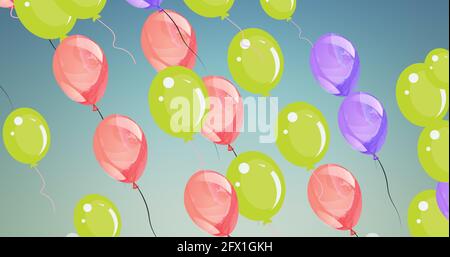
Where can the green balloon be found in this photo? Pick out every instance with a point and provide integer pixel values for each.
(433, 150)
(255, 61)
(210, 8)
(419, 100)
(302, 134)
(178, 102)
(97, 216)
(83, 9)
(279, 9)
(259, 184)
(26, 136)
(437, 61)
(44, 19)
(424, 217)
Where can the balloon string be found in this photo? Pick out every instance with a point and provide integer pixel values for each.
(11, 13)
(114, 41)
(182, 38)
(51, 42)
(231, 148)
(99, 112)
(300, 32)
(146, 206)
(43, 191)
(7, 96)
(217, 151)
(388, 190)
(233, 23)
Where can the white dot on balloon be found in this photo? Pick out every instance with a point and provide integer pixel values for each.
(27, 4)
(239, 59)
(244, 168)
(435, 58)
(414, 78)
(435, 135)
(428, 149)
(245, 44)
(418, 221)
(87, 207)
(12, 133)
(83, 221)
(407, 92)
(18, 121)
(161, 98)
(237, 184)
(168, 82)
(423, 206)
(285, 132)
(292, 117)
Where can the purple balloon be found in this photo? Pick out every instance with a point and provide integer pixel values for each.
(335, 64)
(363, 123)
(442, 197)
(146, 4)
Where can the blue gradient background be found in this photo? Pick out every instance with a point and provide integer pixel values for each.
(389, 35)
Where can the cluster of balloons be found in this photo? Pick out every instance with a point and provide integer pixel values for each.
(422, 96)
(54, 19)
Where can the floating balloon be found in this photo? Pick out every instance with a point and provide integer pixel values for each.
(211, 202)
(162, 43)
(224, 120)
(335, 64)
(26, 136)
(259, 184)
(279, 9)
(178, 102)
(442, 198)
(210, 8)
(419, 100)
(363, 123)
(97, 216)
(255, 61)
(44, 19)
(303, 134)
(83, 9)
(6, 4)
(424, 217)
(146, 4)
(437, 61)
(433, 150)
(120, 147)
(81, 69)
(335, 197)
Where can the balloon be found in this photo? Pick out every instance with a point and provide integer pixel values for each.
(120, 147)
(433, 150)
(223, 122)
(6, 4)
(44, 19)
(335, 196)
(424, 217)
(442, 198)
(363, 123)
(335, 64)
(83, 9)
(210, 8)
(81, 69)
(211, 202)
(255, 61)
(437, 60)
(97, 216)
(146, 4)
(26, 136)
(162, 43)
(178, 102)
(259, 184)
(419, 100)
(303, 134)
(279, 9)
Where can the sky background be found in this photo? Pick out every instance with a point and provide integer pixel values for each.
(389, 35)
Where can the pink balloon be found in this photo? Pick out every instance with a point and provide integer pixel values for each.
(211, 202)
(120, 147)
(335, 196)
(224, 120)
(162, 43)
(6, 4)
(81, 69)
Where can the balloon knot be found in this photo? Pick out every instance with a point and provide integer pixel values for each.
(267, 222)
(289, 19)
(94, 108)
(62, 38)
(310, 168)
(352, 232)
(135, 186)
(188, 139)
(160, 9)
(223, 17)
(98, 16)
(375, 157)
(230, 148)
(33, 165)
